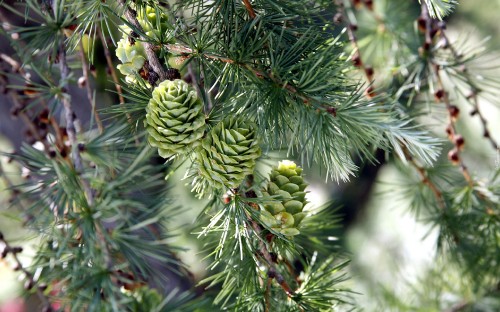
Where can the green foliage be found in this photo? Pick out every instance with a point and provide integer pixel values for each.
(440, 8)
(259, 77)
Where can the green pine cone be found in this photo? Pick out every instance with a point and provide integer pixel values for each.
(228, 153)
(174, 118)
(284, 213)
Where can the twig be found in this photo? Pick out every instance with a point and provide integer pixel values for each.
(250, 9)
(356, 58)
(425, 179)
(186, 51)
(267, 294)
(442, 97)
(77, 158)
(90, 96)
(474, 93)
(154, 62)
(266, 255)
(111, 67)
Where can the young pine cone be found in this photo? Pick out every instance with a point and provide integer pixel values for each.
(284, 212)
(174, 118)
(228, 153)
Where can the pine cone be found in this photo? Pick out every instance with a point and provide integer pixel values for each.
(284, 213)
(228, 153)
(175, 118)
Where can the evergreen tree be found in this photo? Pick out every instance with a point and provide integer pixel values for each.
(226, 92)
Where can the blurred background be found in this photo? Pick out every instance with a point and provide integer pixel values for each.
(394, 263)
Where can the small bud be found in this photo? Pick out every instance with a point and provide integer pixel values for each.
(14, 36)
(439, 94)
(43, 117)
(453, 156)
(153, 77)
(449, 131)
(338, 18)
(274, 257)
(356, 60)
(82, 82)
(369, 4)
(226, 199)
(459, 141)
(173, 73)
(353, 26)
(52, 154)
(63, 153)
(17, 249)
(370, 92)
(427, 46)
(81, 147)
(271, 274)
(332, 110)
(422, 24)
(14, 112)
(28, 285)
(93, 70)
(369, 72)
(453, 111)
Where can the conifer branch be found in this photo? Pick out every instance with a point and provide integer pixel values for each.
(188, 52)
(272, 272)
(263, 251)
(153, 60)
(473, 96)
(441, 96)
(70, 117)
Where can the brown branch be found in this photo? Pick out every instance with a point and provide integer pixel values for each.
(75, 152)
(90, 97)
(111, 67)
(250, 9)
(154, 62)
(356, 58)
(473, 97)
(441, 96)
(425, 179)
(186, 51)
(268, 260)
(267, 294)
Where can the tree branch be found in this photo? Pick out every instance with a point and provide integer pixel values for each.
(153, 60)
(250, 9)
(441, 96)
